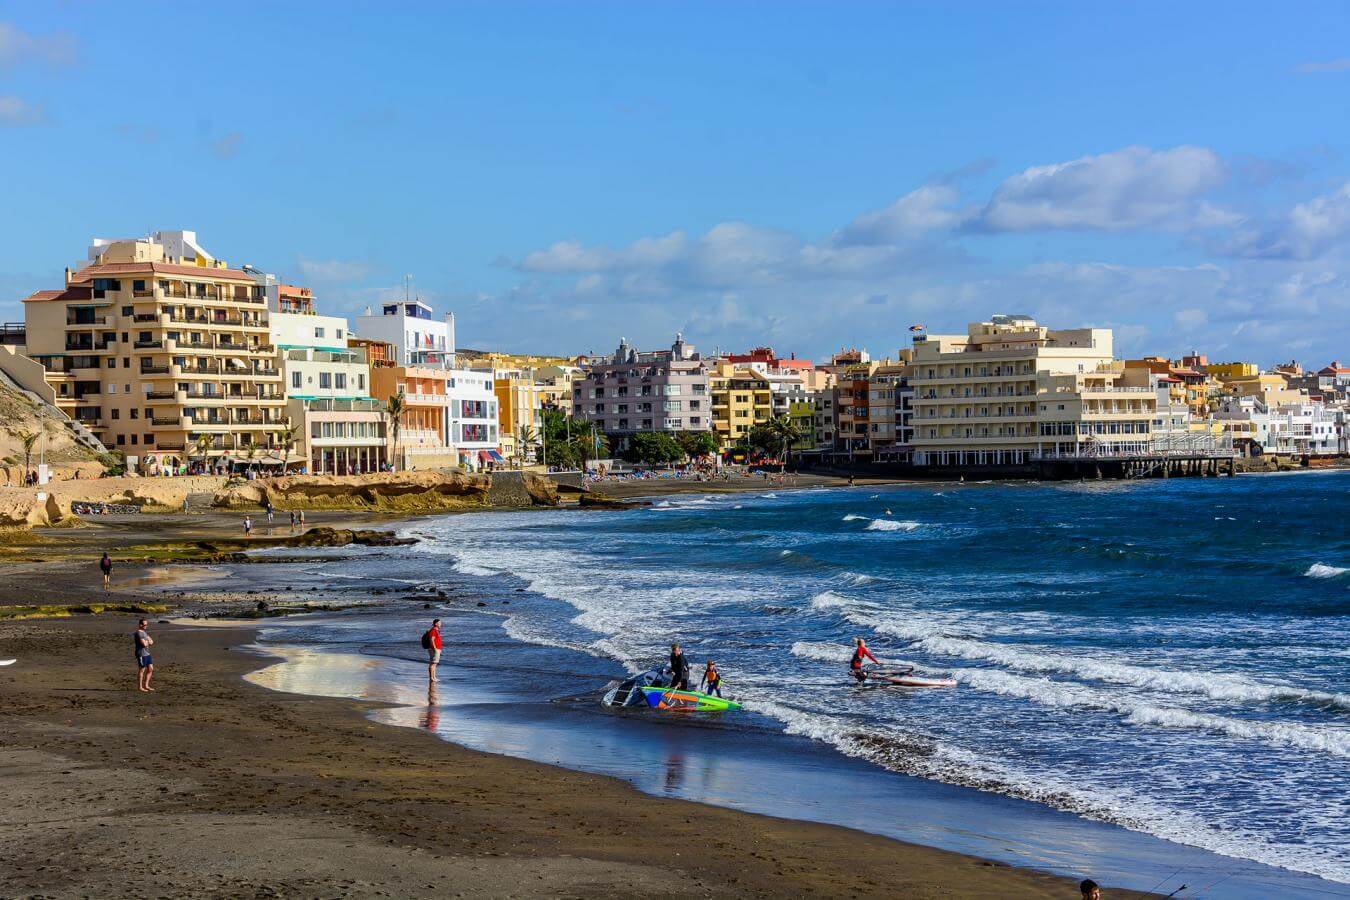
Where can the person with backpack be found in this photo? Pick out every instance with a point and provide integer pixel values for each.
(431, 642)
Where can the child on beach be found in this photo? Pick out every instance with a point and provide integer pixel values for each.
(712, 680)
(248, 525)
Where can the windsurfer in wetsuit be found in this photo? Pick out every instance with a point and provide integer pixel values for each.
(679, 668)
(855, 665)
(712, 680)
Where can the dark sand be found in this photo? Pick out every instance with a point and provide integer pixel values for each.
(212, 786)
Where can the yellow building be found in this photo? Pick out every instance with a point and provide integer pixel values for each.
(154, 349)
(1271, 389)
(1232, 370)
(519, 404)
(741, 399)
(1011, 390)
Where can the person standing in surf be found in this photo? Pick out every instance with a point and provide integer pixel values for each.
(105, 566)
(711, 682)
(431, 642)
(855, 665)
(679, 668)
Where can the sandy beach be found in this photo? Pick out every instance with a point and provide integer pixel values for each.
(213, 786)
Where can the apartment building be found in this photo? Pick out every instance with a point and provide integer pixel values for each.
(411, 328)
(631, 391)
(741, 399)
(339, 426)
(1010, 390)
(154, 345)
(519, 407)
(420, 442)
(890, 412)
(472, 418)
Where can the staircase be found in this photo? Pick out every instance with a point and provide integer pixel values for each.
(83, 436)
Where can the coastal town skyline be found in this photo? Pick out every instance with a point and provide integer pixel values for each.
(797, 193)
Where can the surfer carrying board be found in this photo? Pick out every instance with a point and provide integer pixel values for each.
(679, 669)
(855, 665)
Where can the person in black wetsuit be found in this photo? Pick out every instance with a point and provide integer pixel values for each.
(679, 668)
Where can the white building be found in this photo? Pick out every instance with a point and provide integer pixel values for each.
(417, 336)
(340, 428)
(471, 423)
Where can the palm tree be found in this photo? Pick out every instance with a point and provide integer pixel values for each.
(591, 443)
(251, 453)
(287, 441)
(786, 433)
(202, 448)
(394, 411)
(527, 438)
(28, 439)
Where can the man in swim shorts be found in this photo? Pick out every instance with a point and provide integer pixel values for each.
(431, 641)
(145, 666)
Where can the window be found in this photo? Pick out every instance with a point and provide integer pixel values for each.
(116, 413)
(325, 380)
(121, 439)
(134, 413)
(148, 439)
(112, 363)
(318, 332)
(295, 380)
(360, 381)
(340, 381)
(126, 362)
(133, 440)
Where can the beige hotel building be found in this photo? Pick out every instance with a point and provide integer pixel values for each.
(155, 343)
(1011, 391)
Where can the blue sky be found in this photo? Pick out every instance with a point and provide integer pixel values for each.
(808, 175)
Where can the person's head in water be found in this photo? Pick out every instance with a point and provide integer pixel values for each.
(1090, 890)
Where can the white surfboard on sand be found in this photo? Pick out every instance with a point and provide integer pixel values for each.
(7, 662)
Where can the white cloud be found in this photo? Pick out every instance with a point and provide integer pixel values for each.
(930, 208)
(1125, 189)
(1307, 231)
(1334, 65)
(17, 47)
(15, 111)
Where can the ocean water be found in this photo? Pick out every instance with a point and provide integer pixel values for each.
(1169, 656)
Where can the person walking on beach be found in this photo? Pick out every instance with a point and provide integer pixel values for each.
(679, 668)
(145, 666)
(855, 665)
(248, 525)
(431, 642)
(711, 682)
(292, 520)
(105, 566)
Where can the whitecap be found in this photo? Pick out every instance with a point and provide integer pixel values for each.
(1319, 570)
(890, 525)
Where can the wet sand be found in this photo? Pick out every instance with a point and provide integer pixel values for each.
(214, 786)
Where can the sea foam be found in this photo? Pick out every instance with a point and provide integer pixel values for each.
(1319, 570)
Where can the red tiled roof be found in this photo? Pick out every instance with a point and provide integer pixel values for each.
(70, 293)
(98, 270)
(1334, 369)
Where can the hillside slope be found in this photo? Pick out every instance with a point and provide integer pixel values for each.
(18, 416)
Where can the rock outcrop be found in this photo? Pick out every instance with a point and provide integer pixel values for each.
(386, 492)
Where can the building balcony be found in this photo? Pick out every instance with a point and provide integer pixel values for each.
(156, 370)
(147, 317)
(91, 322)
(175, 422)
(148, 345)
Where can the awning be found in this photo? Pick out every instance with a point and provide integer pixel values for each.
(483, 456)
(496, 457)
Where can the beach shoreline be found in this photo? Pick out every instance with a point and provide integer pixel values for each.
(211, 761)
